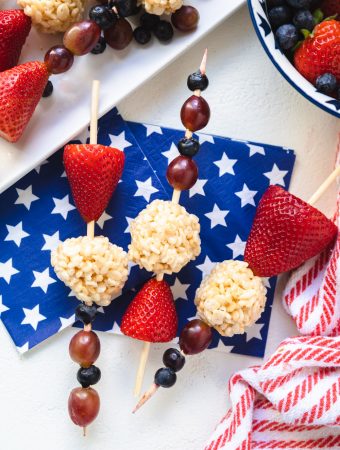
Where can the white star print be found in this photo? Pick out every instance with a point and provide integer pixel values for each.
(224, 348)
(225, 165)
(103, 218)
(129, 220)
(63, 175)
(172, 153)
(37, 169)
(66, 322)
(197, 188)
(217, 216)
(152, 129)
(115, 329)
(101, 310)
(119, 141)
(23, 349)
(42, 279)
(255, 149)
(266, 282)
(51, 241)
(276, 176)
(62, 206)
(145, 189)
(205, 138)
(237, 247)
(32, 317)
(206, 267)
(7, 270)
(16, 233)
(246, 196)
(25, 197)
(3, 307)
(254, 332)
(179, 290)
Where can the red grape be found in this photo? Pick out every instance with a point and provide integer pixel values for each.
(84, 348)
(195, 337)
(195, 113)
(83, 405)
(58, 59)
(81, 37)
(120, 35)
(185, 18)
(182, 173)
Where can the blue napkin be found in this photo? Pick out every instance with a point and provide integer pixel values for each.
(38, 212)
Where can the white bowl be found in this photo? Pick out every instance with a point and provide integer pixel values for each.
(258, 13)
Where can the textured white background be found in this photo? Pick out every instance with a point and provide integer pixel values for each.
(249, 100)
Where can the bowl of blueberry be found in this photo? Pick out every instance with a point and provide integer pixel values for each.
(302, 39)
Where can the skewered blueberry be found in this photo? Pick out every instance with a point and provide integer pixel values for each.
(304, 19)
(149, 21)
(299, 4)
(164, 31)
(165, 377)
(287, 36)
(197, 80)
(86, 313)
(88, 376)
(142, 35)
(188, 147)
(326, 83)
(279, 16)
(99, 47)
(103, 16)
(48, 89)
(126, 8)
(173, 359)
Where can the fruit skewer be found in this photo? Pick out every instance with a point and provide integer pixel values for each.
(196, 336)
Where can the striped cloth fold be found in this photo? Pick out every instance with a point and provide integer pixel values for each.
(291, 402)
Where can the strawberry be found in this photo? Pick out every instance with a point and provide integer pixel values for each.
(319, 53)
(93, 172)
(14, 29)
(330, 8)
(21, 89)
(151, 316)
(286, 232)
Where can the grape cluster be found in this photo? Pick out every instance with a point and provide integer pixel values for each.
(84, 349)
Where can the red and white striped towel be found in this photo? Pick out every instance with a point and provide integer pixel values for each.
(291, 402)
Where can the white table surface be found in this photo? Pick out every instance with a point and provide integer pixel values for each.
(249, 100)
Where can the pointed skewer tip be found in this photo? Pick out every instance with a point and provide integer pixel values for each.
(148, 394)
(203, 65)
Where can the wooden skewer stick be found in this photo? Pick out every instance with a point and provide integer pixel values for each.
(93, 134)
(324, 186)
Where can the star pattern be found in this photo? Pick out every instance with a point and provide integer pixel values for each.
(276, 176)
(35, 304)
(246, 196)
(254, 332)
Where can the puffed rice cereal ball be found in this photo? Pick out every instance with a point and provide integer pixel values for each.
(93, 268)
(164, 237)
(231, 298)
(160, 7)
(53, 16)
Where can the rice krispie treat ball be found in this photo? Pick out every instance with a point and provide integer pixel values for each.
(160, 7)
(53, 16)
(164, 237)
(93, 268)
(231, 298)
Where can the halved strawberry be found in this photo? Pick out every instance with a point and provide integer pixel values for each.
(93, 171)
(151, 316)
(286, 232)
(14, 29)
(21, 89)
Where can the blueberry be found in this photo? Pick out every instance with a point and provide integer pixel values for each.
(287, 36)
(299, 4)
(188, 147)
(304, 19)
(142, 35)
(279, 16)
(149, 21)
(86, 313)
(99, 47)
(273, 3)
(197, 81)
(164, 31)
(48, 89)
(173, 359)
(165, 377)
(326, 83)
(88, 376)
(103, 16)
(127, 8)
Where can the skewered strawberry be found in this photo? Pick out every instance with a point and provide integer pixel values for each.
(93, 171)
(21, 89)
(151, 316)
(14, 29)
(320, 52)
(286, 232)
